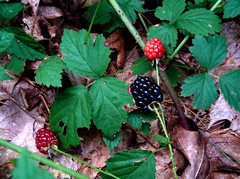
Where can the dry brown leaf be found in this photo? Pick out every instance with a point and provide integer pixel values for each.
(192, 146)
(232, 61)
(222, 111)
(50, 12)
(116, 41)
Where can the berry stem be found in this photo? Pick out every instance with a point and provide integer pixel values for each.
(43, 160)
(85, 163)
(167, 136)
(92, 21)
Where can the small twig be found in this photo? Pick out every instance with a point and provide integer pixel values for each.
(45, 103)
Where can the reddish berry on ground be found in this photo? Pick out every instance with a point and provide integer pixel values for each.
(154, 49)
(44, 139)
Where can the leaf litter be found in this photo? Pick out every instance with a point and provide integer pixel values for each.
(96, 153)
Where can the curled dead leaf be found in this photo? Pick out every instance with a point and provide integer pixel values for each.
(193, 147)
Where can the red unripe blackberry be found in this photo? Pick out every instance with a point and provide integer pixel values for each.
(154, 49)
(44, 139)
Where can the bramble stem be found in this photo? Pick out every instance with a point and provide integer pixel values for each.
(178, 48)
(215, 5)
(85, 163)
(128, 23)
(167, 136)
(92, 21)
(43, 160)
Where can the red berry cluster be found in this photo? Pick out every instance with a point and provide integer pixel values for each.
(154, 49)
(44, 139)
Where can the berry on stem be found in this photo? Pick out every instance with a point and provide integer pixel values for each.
(145, 92)
(154, 49)
(44, 139)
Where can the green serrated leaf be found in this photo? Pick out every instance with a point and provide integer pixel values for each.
(136, 116)
(163, 141)
(4, 75)
(174, 75)
(230, 88)
(199, 21)
(103, 15)
(170, 10)
(167, 33)
(5, 40)
(85, 60)
(112, 143)
(211, 52)
(203, 87)
(231, 8)
(142, 66)
(16, 65)
(129, 7)
(132, 164)
(198, 1)
(70, 111)
(146, 128)
(108, 97)
(28, 169)
(23, 45)
(49, 72)
(9, 10)
(134, 120)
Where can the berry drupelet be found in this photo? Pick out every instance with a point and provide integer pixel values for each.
(145, 91)
(44, 139)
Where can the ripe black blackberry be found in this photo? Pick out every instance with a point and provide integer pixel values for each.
(145, 91)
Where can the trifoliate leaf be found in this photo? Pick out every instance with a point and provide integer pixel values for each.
(5, 40)
(142, 66)
(16, 65)
(132, 164)
(229, 85)
(163, 141)
(146, 128)
(85, 60)
(129, 7)
(167, 33)
(170, 10)
(199, 21)
(70, 111)
(231, 8)
(49, 72)
(28, 169)
(112, 143)
(174, 75)
(4, 75)
(211, 52)
(204, 89)
(23, 45)
(9, 10)
(108, 97)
